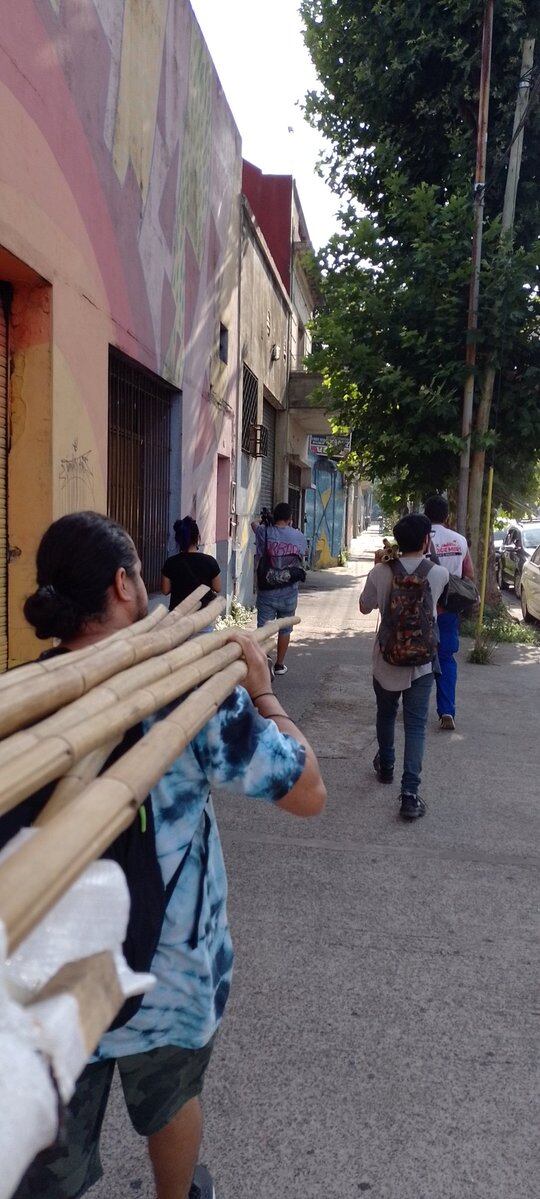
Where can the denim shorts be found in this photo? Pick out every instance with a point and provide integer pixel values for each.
(270, 606)
(156, 1085)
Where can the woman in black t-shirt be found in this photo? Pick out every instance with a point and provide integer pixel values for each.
(187, 569)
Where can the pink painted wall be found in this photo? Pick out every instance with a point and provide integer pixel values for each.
(120, 172)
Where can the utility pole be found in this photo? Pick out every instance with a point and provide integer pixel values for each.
(476, 260)
(507, 229)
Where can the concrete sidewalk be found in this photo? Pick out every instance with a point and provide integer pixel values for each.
(380, 1034)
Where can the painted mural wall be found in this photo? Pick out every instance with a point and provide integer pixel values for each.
(325, 512)
(120, 169)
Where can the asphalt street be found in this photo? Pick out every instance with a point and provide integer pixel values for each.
(383, 1026)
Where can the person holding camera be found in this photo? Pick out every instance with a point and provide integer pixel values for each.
(280, 552)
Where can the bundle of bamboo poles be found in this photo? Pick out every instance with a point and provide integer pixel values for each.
(60, 720)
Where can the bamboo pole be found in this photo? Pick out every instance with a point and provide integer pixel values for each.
(119, 686)
(33, 670)
(104, 696)
(20, 705)
(36, 876)
(74, 782)
(53, 756)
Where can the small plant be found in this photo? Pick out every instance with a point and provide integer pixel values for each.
(500, 628)
(237, 618)
(482, 651)
(343, 556)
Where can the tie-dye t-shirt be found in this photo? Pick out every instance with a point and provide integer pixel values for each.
(194, 959)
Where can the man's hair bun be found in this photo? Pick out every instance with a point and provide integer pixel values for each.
(52, 615)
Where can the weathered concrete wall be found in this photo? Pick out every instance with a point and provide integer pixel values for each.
(120, 169)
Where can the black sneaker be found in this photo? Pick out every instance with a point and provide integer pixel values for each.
(202, 1186)
(385, 774)
(280, 668)
(412, 807)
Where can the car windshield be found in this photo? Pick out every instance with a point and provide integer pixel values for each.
(531, 537)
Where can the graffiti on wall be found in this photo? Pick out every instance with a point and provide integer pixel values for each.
(76, 481)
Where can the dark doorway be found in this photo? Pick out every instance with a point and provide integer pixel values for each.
(139, 473)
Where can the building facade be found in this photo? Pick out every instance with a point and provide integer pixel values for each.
(265, 319)
(311, 482)
(120, 178)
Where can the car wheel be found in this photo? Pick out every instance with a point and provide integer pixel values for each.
(517, 583)
(500, 575)
(526, 614)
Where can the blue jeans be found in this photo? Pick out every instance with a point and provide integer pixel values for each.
(415, 712)
(448, 623)
(271, 605)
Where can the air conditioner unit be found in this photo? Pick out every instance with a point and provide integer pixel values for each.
(259, 441)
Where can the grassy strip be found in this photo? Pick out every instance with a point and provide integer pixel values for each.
(500, 628)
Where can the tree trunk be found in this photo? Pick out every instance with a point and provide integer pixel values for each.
(478, 464)
(507, 227)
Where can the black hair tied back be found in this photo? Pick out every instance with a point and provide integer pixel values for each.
(52, 615)
(77, 561)
(186, 532)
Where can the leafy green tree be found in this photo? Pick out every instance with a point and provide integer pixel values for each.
(397, 102)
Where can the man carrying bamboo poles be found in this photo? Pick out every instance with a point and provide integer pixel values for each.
(90, 586)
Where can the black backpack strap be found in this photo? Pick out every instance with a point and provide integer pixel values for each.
(194, 939)
(171, 885)
(423, 570)
(397, 567)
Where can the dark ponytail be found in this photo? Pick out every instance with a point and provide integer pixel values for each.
(77, 561)
(186, 533)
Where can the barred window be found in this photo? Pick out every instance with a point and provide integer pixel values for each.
(250, 407)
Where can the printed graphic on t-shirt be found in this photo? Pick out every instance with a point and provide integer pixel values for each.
(286, 547)
(451, 548)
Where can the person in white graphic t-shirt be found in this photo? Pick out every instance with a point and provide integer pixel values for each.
(453, 552)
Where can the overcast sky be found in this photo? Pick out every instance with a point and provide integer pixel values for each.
(265, 70)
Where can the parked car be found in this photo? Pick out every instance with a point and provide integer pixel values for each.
(498, 540)
(530, 588)
(518, 546)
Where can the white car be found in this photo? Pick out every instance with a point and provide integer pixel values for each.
(530, 587)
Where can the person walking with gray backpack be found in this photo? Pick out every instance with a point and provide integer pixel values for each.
(406, 590)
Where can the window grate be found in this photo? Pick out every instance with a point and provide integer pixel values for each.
(250, 408)
(139, 459)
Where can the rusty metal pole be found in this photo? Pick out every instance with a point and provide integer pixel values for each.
(476, 259)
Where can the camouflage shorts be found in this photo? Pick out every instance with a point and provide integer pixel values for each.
(156, 1085)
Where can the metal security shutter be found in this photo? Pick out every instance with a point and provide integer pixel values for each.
(295, 494)
(269, 461)
(5, 292)
(139, 460)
